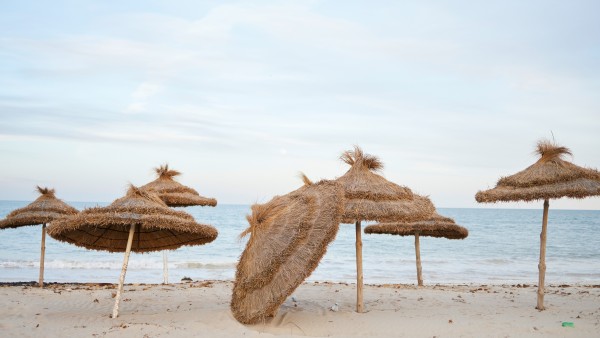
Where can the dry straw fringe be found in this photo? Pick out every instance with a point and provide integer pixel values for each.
(550, 177)
(107, 228)
(173, 193)
(44, 209)
(288, 237)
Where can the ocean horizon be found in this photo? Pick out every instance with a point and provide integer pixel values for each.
(502, 247)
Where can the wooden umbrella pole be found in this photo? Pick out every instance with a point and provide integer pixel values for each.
(542, 265)
(418, 253)
(115, 313)
(42, 255)
(359, 270)
(165, 268)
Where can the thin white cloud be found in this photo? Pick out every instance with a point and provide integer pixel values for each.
(141, 95)
(136, 107)
(146, 90)
(435, 89)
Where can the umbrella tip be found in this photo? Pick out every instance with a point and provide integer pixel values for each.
(45, 191)
(357, 157)
(351, 156)
(149, 195)
(550, 150)
(163, 171)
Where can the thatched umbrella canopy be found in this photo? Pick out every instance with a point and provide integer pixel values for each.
(139, 222)
(44, 209)
(288, 237)
(435, 226)
(370, 197)
(173, 193)
(550, 177)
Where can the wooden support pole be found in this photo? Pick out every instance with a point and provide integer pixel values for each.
(359, 270)
(115, 313)
(42, 255)
(542, 265)
(418, 253)
(165, 268)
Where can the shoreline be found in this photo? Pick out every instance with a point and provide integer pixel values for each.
(376, 285)
(399, 310)
(504, 206)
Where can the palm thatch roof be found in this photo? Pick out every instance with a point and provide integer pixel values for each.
(435, 226)
(550, 177)
(173, 193)
(371, 197)
(107, 228)
(44, 209)
(288, 237)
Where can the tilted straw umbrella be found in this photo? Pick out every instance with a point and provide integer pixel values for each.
(370, 197)
(288, 237)
(550, 177)
(43, 210)
(435, 226)
(174, 194)
(138, 222)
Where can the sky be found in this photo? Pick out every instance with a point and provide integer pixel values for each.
(241, 96)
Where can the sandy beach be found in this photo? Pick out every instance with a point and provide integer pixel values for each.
(201, 308)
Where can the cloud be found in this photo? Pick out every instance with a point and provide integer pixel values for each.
(141, 95)
(432, 88)
(136, 107)
(146, 90)
(221, 40)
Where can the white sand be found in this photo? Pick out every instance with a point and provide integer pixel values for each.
(202, 309)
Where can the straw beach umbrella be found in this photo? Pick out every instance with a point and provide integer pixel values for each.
(435, 226)
(550, 177)
(370, 197)
(138, 222)
(43, 210)
(288, 237)
(174, 194)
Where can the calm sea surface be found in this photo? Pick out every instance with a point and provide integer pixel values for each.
(502, 247)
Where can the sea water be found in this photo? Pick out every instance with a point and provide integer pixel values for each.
(502, 247)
